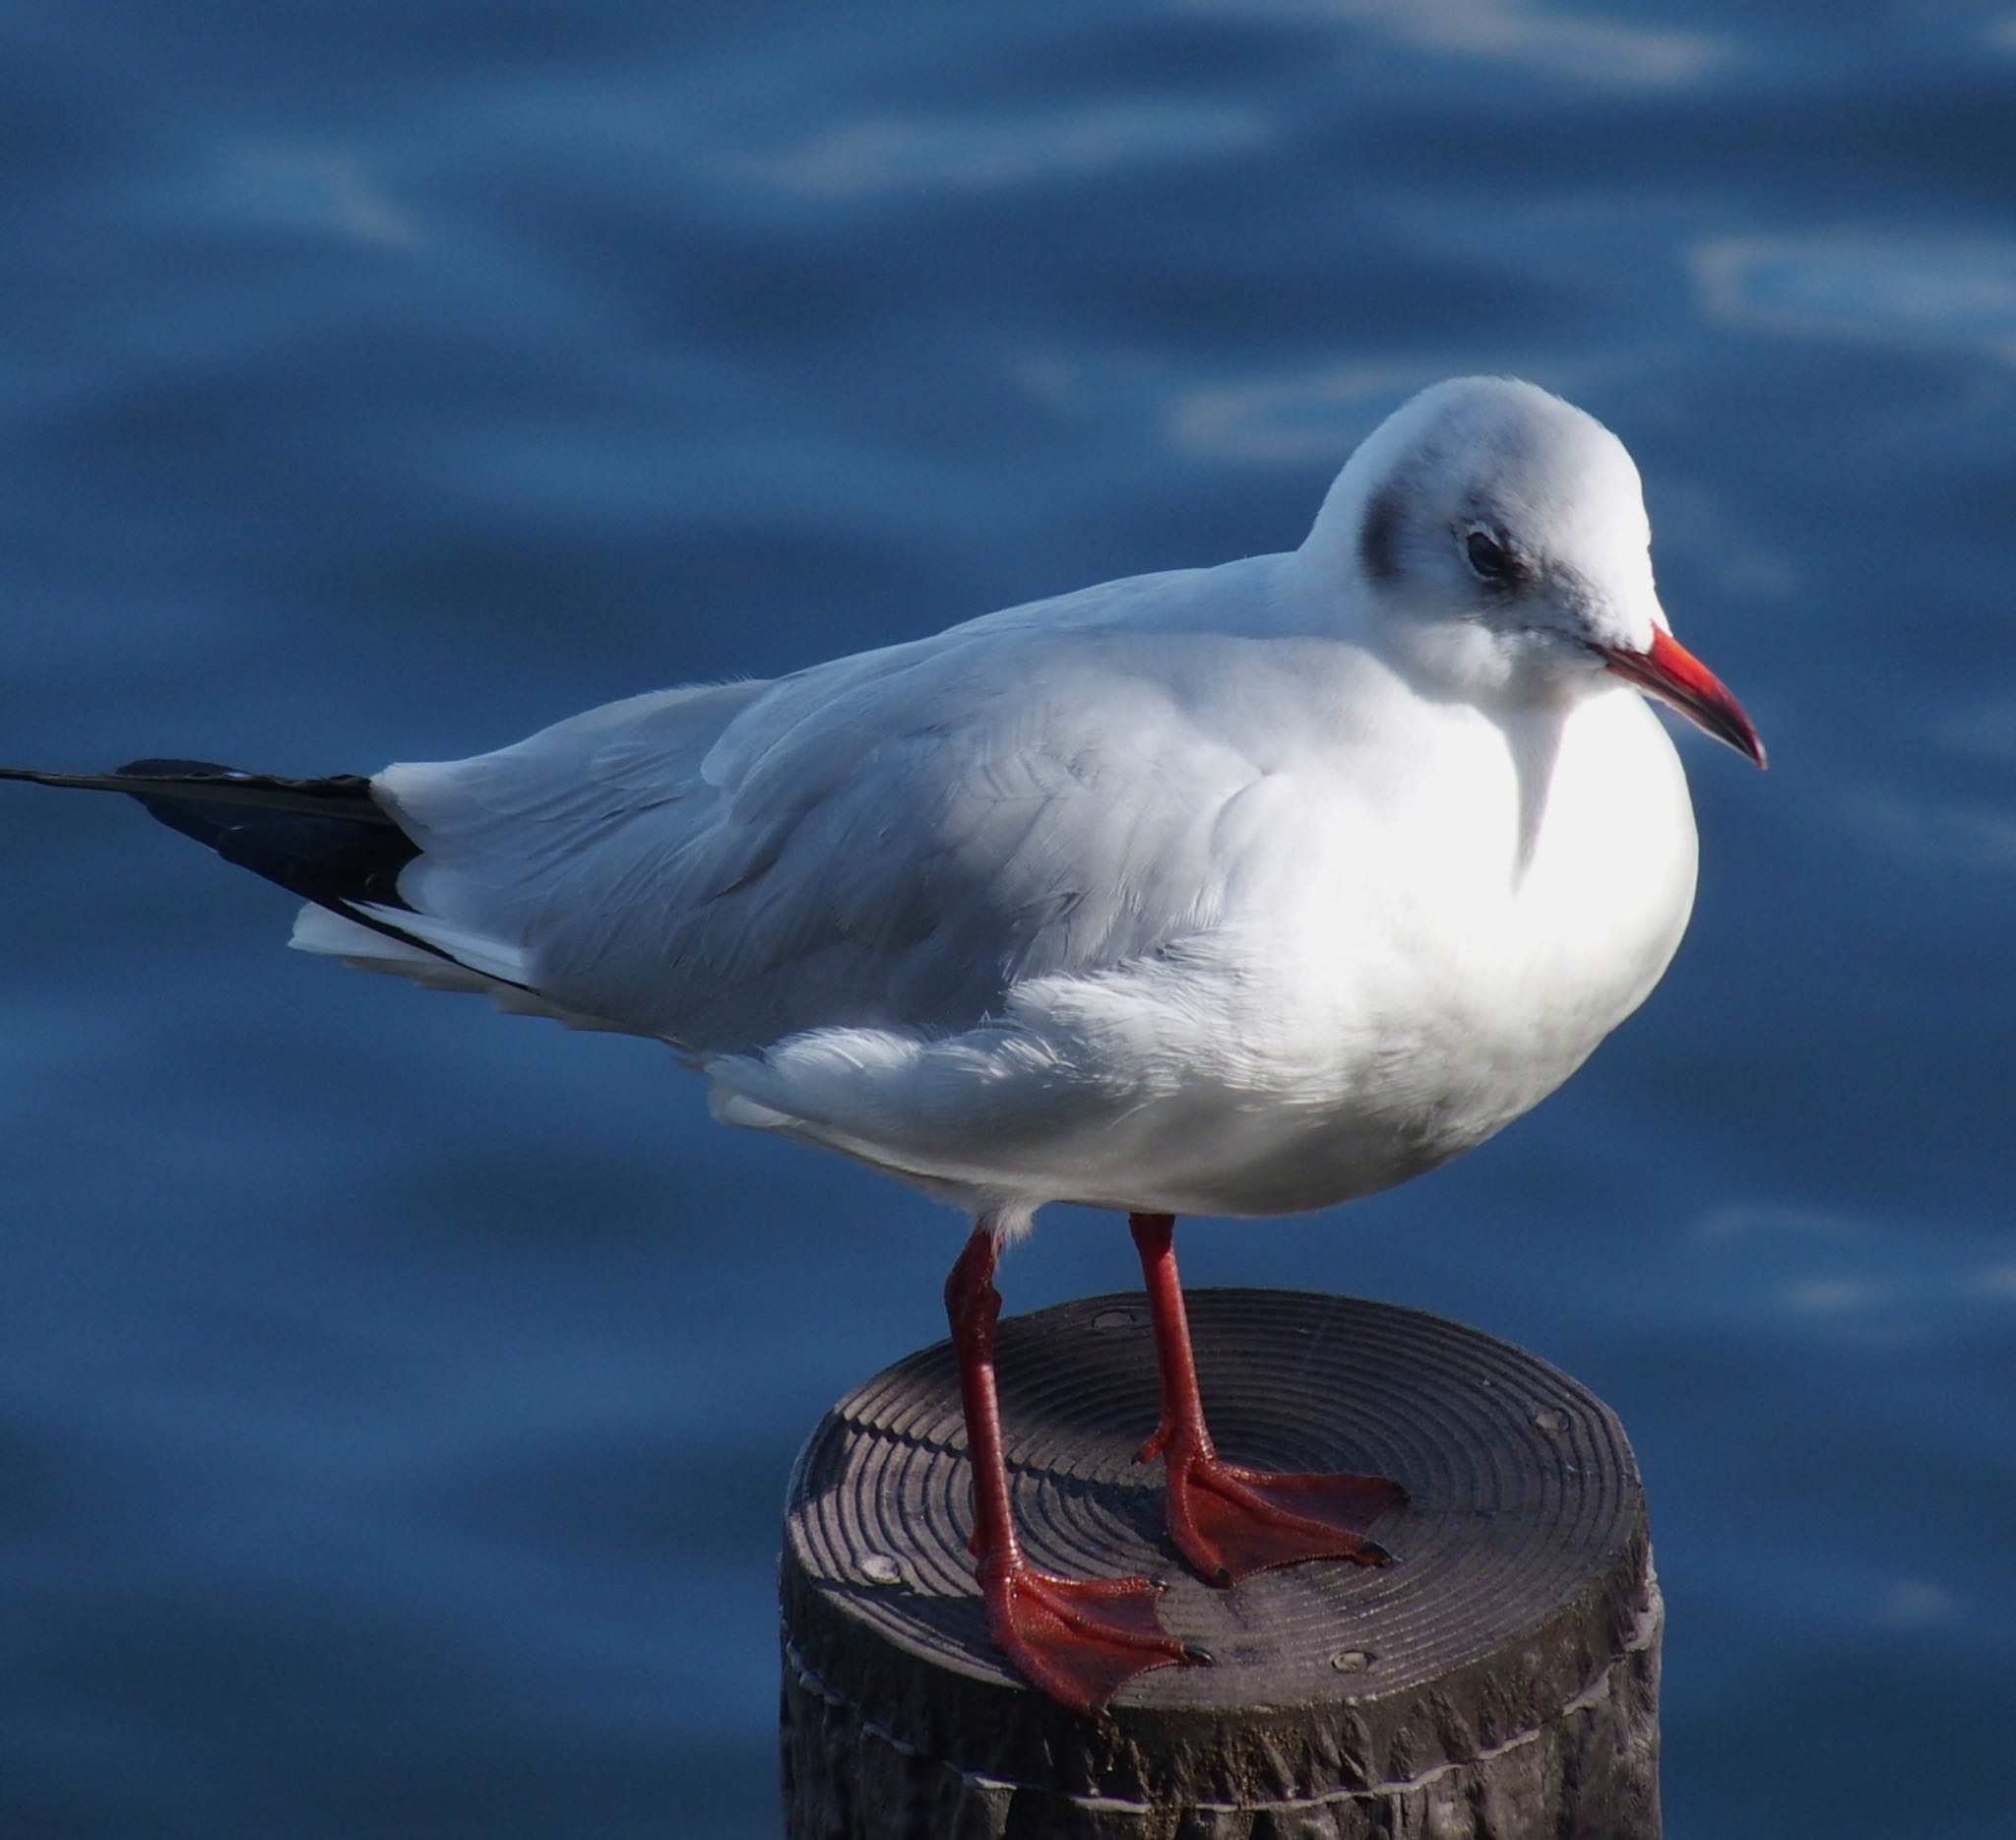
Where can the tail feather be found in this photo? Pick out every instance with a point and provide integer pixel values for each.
(202, 782)
(325, 840)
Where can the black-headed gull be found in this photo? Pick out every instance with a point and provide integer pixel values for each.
(1239, 890)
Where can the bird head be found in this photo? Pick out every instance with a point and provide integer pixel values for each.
(1500, 535)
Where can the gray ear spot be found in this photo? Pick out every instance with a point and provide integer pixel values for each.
(1379, 534)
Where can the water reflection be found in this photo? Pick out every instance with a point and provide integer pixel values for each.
(1981, 729)
(1954, 292)
(965, 153)
(1297, 419)
(1910, 1606)
(296, 186)
(1935, 833)
(1584, 46)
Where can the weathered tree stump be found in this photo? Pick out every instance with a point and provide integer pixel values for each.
(1498, 1682)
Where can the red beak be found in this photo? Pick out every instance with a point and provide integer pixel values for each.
(1673, 675)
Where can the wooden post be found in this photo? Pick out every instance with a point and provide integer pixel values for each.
(1500, 1681)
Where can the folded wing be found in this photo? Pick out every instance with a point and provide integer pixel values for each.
(886, 842)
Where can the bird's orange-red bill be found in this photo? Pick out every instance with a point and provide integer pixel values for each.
(1673, 675)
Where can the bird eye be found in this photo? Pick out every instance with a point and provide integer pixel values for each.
(1489, 559)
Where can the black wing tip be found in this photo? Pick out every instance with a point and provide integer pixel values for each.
(326, 839)
(336, 794)
(304, 794)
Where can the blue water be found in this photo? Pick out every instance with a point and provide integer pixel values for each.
(396, 1400)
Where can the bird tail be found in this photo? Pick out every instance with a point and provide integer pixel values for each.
(327, 840)
(331, 842)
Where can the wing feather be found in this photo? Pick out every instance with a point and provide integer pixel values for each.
(889, 841)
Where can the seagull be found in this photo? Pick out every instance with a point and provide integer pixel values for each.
(1243, 890)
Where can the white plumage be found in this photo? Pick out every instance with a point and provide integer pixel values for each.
(1239, 890)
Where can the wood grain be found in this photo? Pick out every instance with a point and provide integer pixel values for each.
(1499, 1679)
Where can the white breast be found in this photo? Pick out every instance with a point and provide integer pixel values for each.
(1401, 961)
(1432, 963)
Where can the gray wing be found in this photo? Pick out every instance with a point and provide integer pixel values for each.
(887, 841)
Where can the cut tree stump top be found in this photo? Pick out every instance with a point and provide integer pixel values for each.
(1521, 1571)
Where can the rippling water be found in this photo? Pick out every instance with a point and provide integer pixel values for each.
(395, 1401)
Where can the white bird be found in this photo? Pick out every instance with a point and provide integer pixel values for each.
(1241, 890)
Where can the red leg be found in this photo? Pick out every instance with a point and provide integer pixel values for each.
(1077, 1639)
(1229, 1521)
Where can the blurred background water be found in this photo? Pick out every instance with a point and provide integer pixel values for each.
(395, 1401)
